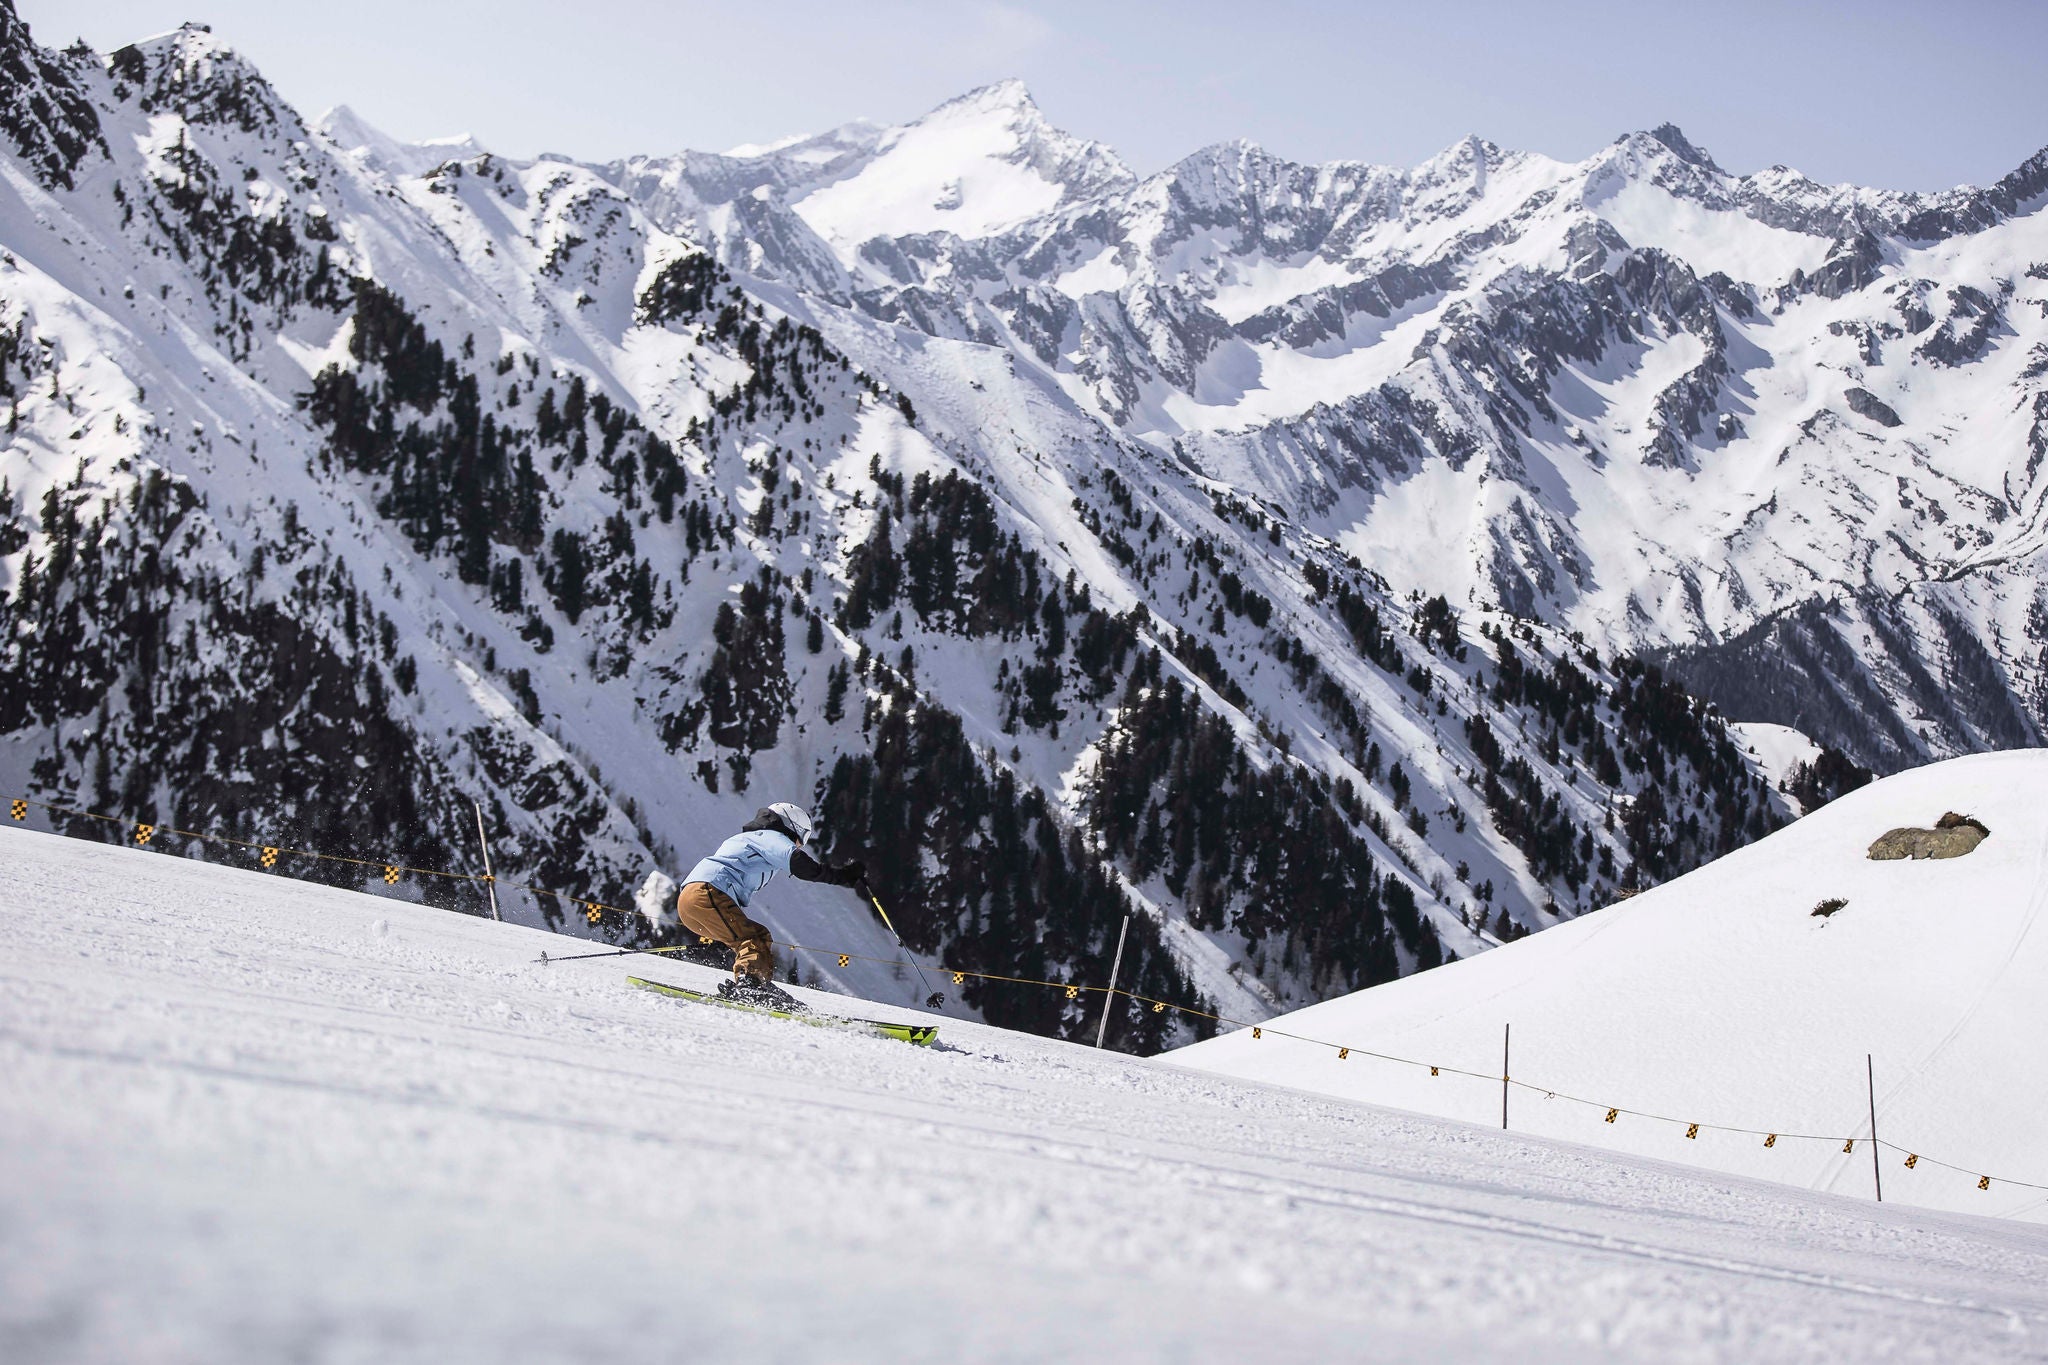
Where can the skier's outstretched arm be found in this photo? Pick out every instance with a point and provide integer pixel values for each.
(805, 868)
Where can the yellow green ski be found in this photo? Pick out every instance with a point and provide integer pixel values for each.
(920, 1035)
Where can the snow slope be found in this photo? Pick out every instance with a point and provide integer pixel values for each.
(972, 167)
(250, 1119)
(1778, 749)
(1721, 998)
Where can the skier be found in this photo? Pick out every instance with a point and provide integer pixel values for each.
(713, 901)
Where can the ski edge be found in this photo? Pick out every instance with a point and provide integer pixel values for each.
(917, 1035)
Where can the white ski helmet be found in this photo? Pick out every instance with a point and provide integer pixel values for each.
(796, 818)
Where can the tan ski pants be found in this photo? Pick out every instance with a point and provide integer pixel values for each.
(709, 913)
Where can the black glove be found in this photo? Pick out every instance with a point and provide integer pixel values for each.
(854, 873)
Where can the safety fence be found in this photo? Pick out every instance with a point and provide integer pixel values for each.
(274, 857)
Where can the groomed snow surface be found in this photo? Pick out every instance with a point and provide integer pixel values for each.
(247, 1119)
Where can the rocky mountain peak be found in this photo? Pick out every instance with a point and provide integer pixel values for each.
(1083, 167)
(1670, 135)
(197, 76)
(1009, 94)
(1229, 169)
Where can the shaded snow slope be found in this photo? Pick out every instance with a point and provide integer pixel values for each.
(250, 1120)
(1722, 998)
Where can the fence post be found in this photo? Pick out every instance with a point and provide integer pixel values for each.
(1870, 1082)
(490, 881)
(1109, 997)
(1505, 1030)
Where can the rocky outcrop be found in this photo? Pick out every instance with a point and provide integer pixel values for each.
(1952, 836)
(1864, 403)
(1973, 320)
(42, 111)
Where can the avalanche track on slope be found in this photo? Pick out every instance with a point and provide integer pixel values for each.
(1723, 997)
(252, 1119)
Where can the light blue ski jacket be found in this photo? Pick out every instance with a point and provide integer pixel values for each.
(744, 863)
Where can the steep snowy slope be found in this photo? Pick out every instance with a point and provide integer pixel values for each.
(348, 483)
(250, 1120)
(1722, 998)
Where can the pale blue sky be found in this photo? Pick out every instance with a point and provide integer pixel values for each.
(1900, 95)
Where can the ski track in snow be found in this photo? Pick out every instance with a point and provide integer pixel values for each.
(251, 1119)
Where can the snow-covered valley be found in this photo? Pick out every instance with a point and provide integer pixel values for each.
(249, 1119)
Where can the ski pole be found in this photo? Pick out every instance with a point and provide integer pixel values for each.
(544, 960)
(933, 1000)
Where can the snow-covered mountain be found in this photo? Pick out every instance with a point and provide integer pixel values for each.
(349, 481)
(349, 134)
(1745, 997)
(1791, 431)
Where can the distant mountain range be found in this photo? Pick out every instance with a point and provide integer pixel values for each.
(1312, 560)
(1789, 430)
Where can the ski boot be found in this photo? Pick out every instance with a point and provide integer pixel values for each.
(752, 990)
